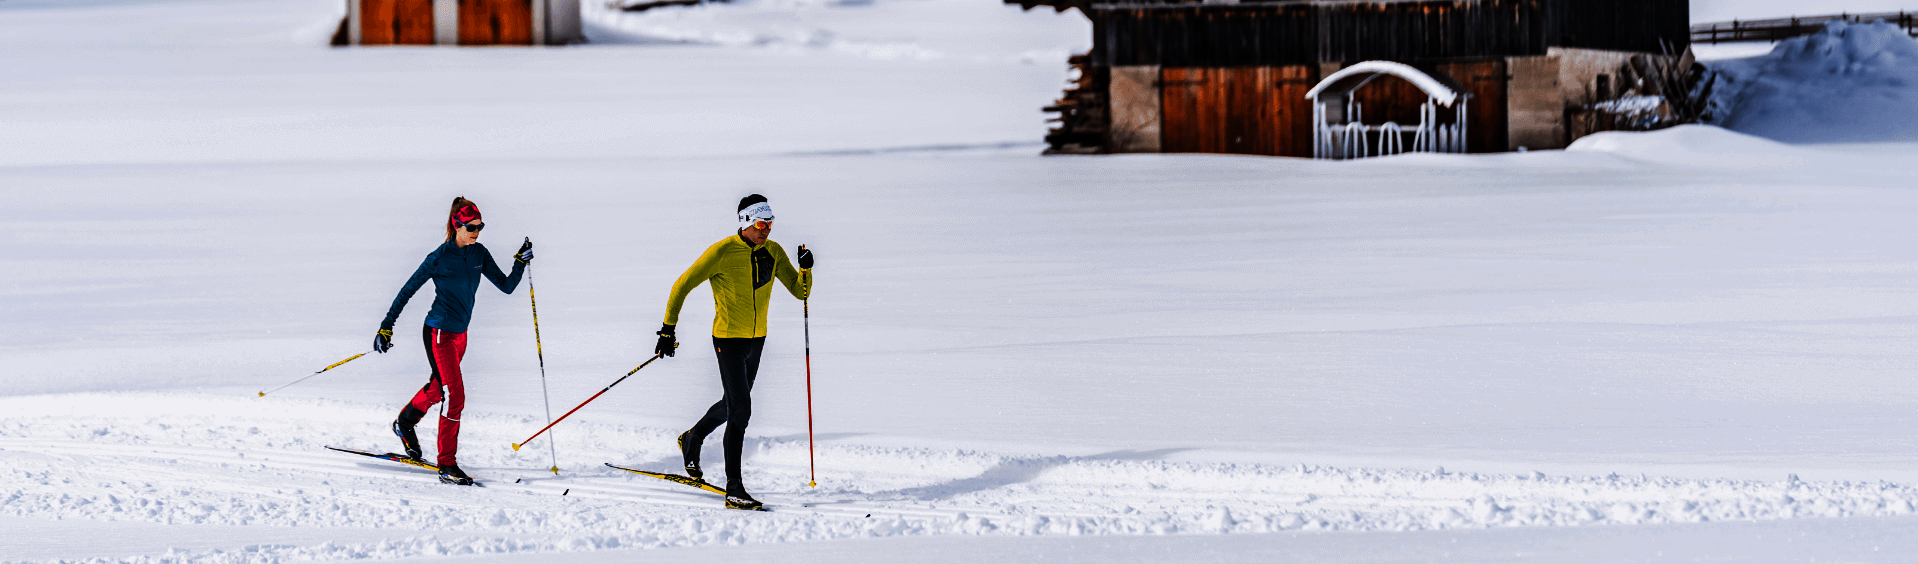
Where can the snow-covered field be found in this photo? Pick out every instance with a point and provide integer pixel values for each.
(1686, 345)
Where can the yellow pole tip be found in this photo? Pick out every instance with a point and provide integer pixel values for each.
(262, 394)
(515, 446)
(555, 470)
(813, 484)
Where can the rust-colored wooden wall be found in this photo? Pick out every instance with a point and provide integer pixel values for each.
(396, 22)
(496, 22)
(1241, 110)
(1488, 123)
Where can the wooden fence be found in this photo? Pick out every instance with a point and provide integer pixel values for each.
(1786, 28)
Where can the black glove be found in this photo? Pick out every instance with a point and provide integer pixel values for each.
(666, 342)
(805, 258)
(525, 253)
(383, 340)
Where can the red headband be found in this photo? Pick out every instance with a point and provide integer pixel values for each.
(465, 214)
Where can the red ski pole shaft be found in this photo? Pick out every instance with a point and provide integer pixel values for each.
(805, 307)
(583, 403)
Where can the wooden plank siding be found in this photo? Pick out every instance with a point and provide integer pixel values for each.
(1249, 111)
(1487, 127)
(496, 22)
(1413, 31)
(396, 22)
(1215, 36)
(1178, 34)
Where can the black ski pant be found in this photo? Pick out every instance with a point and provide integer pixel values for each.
(738, 366)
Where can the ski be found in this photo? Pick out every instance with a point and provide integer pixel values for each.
(676, 478)
(687, 480)
(400, 458)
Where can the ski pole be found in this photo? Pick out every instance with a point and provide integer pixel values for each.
(588, 400)
(328, 367)
(805, 307)
(532, 297)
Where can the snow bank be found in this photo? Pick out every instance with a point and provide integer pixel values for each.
(1694, 145)
(1855, 82)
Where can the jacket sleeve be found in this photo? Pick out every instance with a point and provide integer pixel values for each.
(697, 274)
(505, 282)
(797, 281)
(413, 284)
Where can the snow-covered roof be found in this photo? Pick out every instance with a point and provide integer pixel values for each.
(1352, 77)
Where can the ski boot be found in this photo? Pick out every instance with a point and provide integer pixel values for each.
(690, 455)
(737, 498)
(451, 474)
(404, 428)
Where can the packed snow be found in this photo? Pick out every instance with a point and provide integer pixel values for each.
(1677, 345)
(1847, 83)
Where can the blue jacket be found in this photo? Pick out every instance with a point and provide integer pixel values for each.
(455, 272)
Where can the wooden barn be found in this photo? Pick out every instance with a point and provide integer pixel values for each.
(460, 22)
(1342, 79)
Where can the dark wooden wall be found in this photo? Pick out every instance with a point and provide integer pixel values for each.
(1487, 121)
(1650, 26)
(1294, 33)
(1412, 31)
(1215, 36)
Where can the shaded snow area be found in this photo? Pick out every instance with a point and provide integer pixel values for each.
(1692, 344)
(1847, 83)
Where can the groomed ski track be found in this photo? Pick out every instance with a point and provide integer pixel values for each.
(272, 473)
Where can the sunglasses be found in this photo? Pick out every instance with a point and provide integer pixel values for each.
(471, 228)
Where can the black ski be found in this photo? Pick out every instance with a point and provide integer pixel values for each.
(678, 479)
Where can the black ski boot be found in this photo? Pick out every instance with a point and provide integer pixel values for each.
(737, 498)
(403, 427)
(451, 474)
(690, 452)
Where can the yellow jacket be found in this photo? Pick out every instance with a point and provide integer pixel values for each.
(742, 277)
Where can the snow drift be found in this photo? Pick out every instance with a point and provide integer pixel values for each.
(1849, 82)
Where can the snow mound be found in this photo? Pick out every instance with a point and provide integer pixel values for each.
(1849, 82)
(1693, 145)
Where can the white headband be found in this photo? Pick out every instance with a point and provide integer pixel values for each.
(761, 211)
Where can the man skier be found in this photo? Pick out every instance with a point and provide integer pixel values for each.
(741, 268)
(455, 268)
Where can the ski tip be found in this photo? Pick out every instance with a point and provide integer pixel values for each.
(515, 447)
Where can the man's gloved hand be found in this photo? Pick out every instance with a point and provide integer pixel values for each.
(805, 258)
(383, 340)
(666, 341)
(525, 253)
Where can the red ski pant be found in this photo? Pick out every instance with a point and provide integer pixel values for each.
(444, 351)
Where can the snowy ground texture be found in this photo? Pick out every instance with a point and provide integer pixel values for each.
(1693, 344)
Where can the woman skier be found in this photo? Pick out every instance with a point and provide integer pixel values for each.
(455, 269)
(741, 268)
